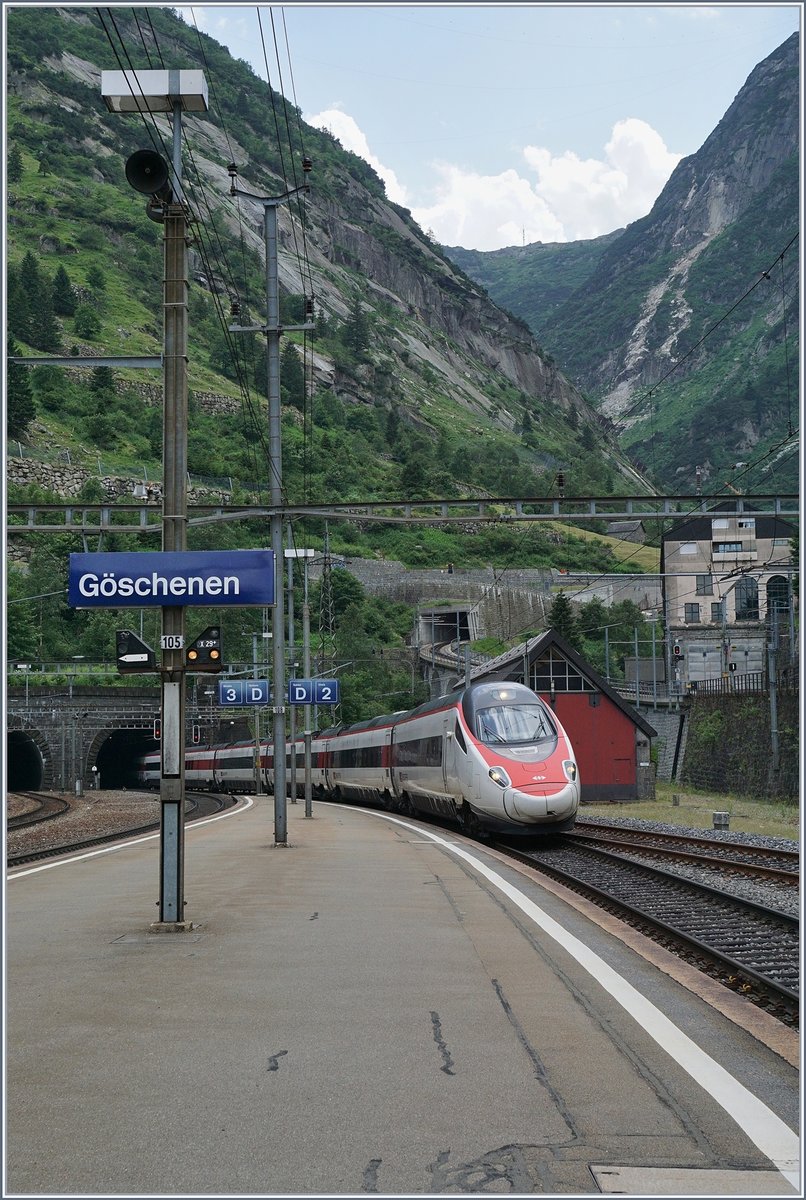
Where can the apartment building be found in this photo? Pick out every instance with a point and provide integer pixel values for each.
(727, 586)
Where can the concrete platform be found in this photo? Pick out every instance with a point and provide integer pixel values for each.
(379, 1007)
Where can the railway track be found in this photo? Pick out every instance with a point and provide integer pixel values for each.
(197, 805)
(749, 947)
(756, 862)
(46, 807)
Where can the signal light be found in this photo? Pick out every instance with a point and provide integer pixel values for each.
(157, 729)
(134, 656)
(677, 649)
(204, 654)
(196, 735)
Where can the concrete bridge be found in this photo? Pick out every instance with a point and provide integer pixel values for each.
(73, 738)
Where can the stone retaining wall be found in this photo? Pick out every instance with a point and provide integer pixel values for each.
(67, 480)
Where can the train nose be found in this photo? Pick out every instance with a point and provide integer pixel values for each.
(527, 804)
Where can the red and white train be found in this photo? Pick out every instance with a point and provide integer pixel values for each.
(492, 757)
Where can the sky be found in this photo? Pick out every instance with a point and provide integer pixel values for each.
(506, 124)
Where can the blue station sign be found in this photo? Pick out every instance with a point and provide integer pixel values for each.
(213, 578)
(313, 691)
(243, 691)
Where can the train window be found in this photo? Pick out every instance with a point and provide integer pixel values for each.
(460, 738)
(514, 723)
(418, 752)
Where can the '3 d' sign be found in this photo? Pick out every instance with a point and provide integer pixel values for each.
(243, 691)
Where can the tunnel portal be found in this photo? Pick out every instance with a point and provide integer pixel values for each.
(25, 770)
(119, 755)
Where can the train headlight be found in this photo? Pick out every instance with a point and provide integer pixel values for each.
(570, 768)
(499, 776)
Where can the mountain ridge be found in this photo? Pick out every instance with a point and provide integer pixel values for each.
(645, 310)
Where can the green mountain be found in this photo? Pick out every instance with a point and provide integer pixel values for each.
(415, 383)
(533, 281)
(684, 331)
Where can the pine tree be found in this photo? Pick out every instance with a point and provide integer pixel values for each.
(14, 166)
(563, 621)
(64, 298)
(48, 334)
(19, 307)
(20, 408)
(44, 331)
(355, 330)
(393, 427)
(292, 377)
(88, 323)
(102, 383)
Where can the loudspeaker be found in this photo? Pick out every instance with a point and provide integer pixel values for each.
(147, 172)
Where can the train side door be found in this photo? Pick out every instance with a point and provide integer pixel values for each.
(449, 752)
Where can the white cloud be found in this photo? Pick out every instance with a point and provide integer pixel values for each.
(592, 196)
(571, 199)
(567, 198)
(486, 212)
(351, 137)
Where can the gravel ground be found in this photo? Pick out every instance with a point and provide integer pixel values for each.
(91, 815)
(97, 813)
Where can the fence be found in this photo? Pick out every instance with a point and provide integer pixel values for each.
(729, 685)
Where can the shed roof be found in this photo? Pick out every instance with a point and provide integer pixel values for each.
(502, 667)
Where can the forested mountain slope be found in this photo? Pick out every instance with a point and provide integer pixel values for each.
(414, 384)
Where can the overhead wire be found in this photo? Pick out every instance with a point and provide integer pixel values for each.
(157, 139)
(308, 359)
(294, 194)
(235, 346)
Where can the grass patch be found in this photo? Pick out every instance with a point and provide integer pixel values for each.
(696, 810)
(642, 559)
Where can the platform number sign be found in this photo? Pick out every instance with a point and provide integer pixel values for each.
(243, 691)
(313, 691)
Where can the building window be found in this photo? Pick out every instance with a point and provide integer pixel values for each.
(727, 547)
(705, 585)
(777, 594)
(554, 673)
(747, 599)
(688, 548)
(692, 614)
(716, 610)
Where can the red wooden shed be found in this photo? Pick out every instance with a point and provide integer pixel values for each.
(611, 739)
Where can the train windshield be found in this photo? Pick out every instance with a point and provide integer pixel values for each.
(513, 724)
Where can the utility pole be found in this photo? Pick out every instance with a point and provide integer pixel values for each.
(292, 716)
(306, 670)
(273, 331)
(772, 678)
(168, 91)
(258, 788)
